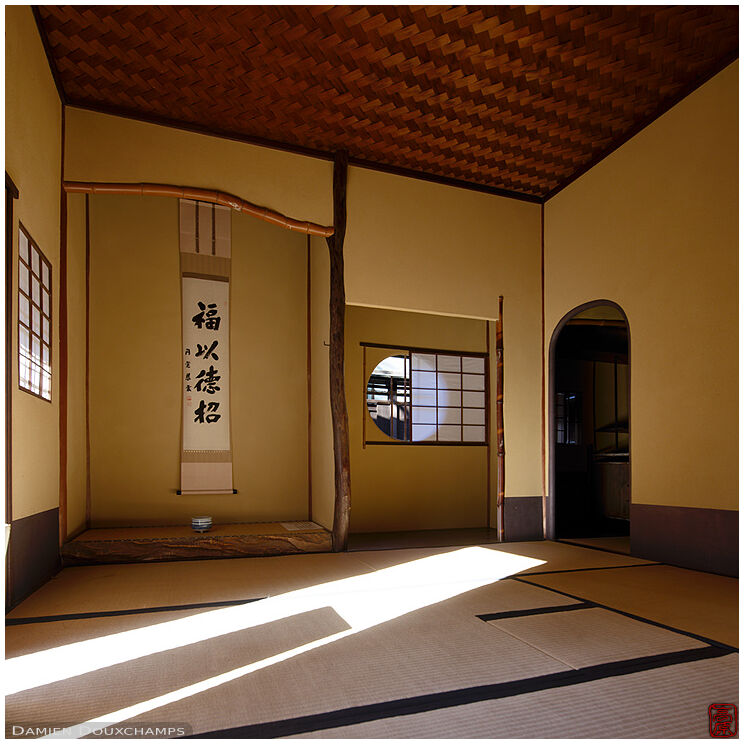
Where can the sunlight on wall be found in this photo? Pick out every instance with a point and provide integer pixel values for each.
(362, 601)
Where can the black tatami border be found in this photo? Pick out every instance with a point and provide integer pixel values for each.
(569, 541)
(595, 568)
(118, 613)
(640, 618)
(488, 616)
(453, 698)
(230, 602)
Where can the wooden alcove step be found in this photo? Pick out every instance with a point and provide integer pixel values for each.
(175, 543)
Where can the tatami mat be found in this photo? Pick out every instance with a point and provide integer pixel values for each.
(619, 544)
(666, 703)
(563, 557)
(126, 586)
(701, 603)
(431, 650)
(556, 556)
(246, 665)
(32, 637)
(580, 638)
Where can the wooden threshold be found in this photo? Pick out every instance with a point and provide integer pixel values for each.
(180, 542)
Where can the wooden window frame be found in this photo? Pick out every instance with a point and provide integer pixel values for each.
(408, 406)
(43, 261)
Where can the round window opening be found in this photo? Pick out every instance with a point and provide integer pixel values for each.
(389, 397)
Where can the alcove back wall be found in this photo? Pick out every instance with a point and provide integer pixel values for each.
(409, 486)
(135, 369)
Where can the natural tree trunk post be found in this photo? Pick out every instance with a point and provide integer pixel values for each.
(501, 450)
(339, 416)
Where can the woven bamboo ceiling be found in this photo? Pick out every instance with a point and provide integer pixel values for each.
(515, 98)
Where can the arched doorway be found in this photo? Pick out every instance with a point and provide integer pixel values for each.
(589, 426)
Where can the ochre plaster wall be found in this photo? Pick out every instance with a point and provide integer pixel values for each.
(100, 147)
(440, 249)
(653, 227)
(323, 480)
(409, 487)
(135, 346)
(418, 246)
(33, 132)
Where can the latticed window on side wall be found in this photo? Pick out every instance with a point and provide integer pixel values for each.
(34, 318)
(448, 398)
(430, 398)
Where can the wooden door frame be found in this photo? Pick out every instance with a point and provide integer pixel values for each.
(550, 496)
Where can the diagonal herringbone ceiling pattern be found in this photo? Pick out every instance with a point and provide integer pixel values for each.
(508, 97)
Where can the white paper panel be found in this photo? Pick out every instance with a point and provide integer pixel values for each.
(424, 415)
(474, 400)
(423, 361)
(450, 398)
(23, 245)
(424, 397)
(423, 432)
(473, 382)
(23, 280)
(449, 434)
(473, 433)
(448, 415)
(424, 379)
(449, 380)
(23, 310)
(473, 364)
(448, 363)
(474, 415)
(206, 364)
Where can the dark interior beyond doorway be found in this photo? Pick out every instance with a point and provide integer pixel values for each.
(592, 443)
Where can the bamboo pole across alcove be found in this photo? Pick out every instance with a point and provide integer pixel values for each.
(204, 195)
(337, 304)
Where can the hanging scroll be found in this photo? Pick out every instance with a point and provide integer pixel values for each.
(206, 451)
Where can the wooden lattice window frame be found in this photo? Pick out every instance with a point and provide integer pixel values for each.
(408, 404)
(34, 270)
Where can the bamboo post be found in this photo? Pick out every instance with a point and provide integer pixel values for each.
(339, 416)
(501, 449)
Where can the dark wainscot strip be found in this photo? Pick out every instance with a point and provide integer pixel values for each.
(33, 553)
(523, 518)
(701, 539)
